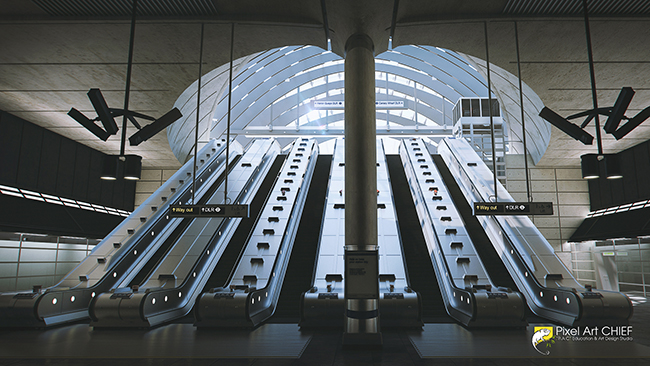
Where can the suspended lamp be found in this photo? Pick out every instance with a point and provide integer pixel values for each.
(109, 167)
(589, 164)
(613, 167)
(132, 167)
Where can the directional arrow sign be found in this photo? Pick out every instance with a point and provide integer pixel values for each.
(513, 208)
(208, 211)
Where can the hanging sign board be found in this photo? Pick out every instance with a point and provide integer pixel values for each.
(512, 208)
(380, 104)
(390, 104)
(209, 211)
(328, 105)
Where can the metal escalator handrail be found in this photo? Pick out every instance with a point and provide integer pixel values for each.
(289, 232)
(322, 220)
(224, 224)
(438, 253)
(399, 231)
(516, 255)
(125, 248)
(194, 283)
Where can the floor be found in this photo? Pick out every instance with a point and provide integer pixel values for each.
(285, 344)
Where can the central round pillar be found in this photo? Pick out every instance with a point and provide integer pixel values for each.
(361, 255)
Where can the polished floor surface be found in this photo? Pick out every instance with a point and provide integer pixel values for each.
(286, 344)
(451, 340)
(173, 340)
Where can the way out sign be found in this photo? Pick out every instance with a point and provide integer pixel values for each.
(208, 211)
(512, 208)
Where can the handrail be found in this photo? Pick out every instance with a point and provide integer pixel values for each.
(69, 299)
(568, 302)
(479, 303)
(154, 305)
(250, 305)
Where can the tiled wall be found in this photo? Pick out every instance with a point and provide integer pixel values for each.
(564, 187)
(150, 181)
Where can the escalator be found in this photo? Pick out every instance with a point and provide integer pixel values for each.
(324, 303)
(549, 287)
(250, 295)
(418, 265)
(141, 274)
(120, 253)
(169, 290)
(302, 263)
(230, 256)
(469, 293)
(493, 264)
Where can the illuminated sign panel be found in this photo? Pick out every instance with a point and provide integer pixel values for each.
(209, 211)
(513, 208)
(380, 104)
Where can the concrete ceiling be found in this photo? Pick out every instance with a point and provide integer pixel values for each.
(51, 54)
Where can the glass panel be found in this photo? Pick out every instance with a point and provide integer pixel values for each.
(8, 254)
(476, 109)
(630, 278)
(647, 278)
(626, 242)
(629, 266)
(630, 288)
(495, 108)
(466, 109)
(9, 243)
(484, 106)
(645, 255)
(626, 256)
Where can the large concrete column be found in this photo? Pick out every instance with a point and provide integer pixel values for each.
(361, 256)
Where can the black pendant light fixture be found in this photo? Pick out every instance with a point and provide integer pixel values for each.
(594, 164)
(110, 166)
(590, 164)
(613, 167)
(615, 114)
(132, 167)
(122, 166)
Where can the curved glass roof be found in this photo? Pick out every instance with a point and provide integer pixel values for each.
(283, 92)
(275, 93)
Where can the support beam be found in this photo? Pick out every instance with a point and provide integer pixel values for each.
(361, 251)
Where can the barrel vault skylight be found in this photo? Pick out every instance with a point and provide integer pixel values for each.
(299, 91)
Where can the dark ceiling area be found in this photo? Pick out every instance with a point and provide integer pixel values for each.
(54, 51)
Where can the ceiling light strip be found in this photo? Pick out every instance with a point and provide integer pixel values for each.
(562, 7)
(620, 208)
(121, 8)
(36, 196)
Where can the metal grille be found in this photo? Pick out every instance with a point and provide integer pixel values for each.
(123, 8)
(574, 7)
